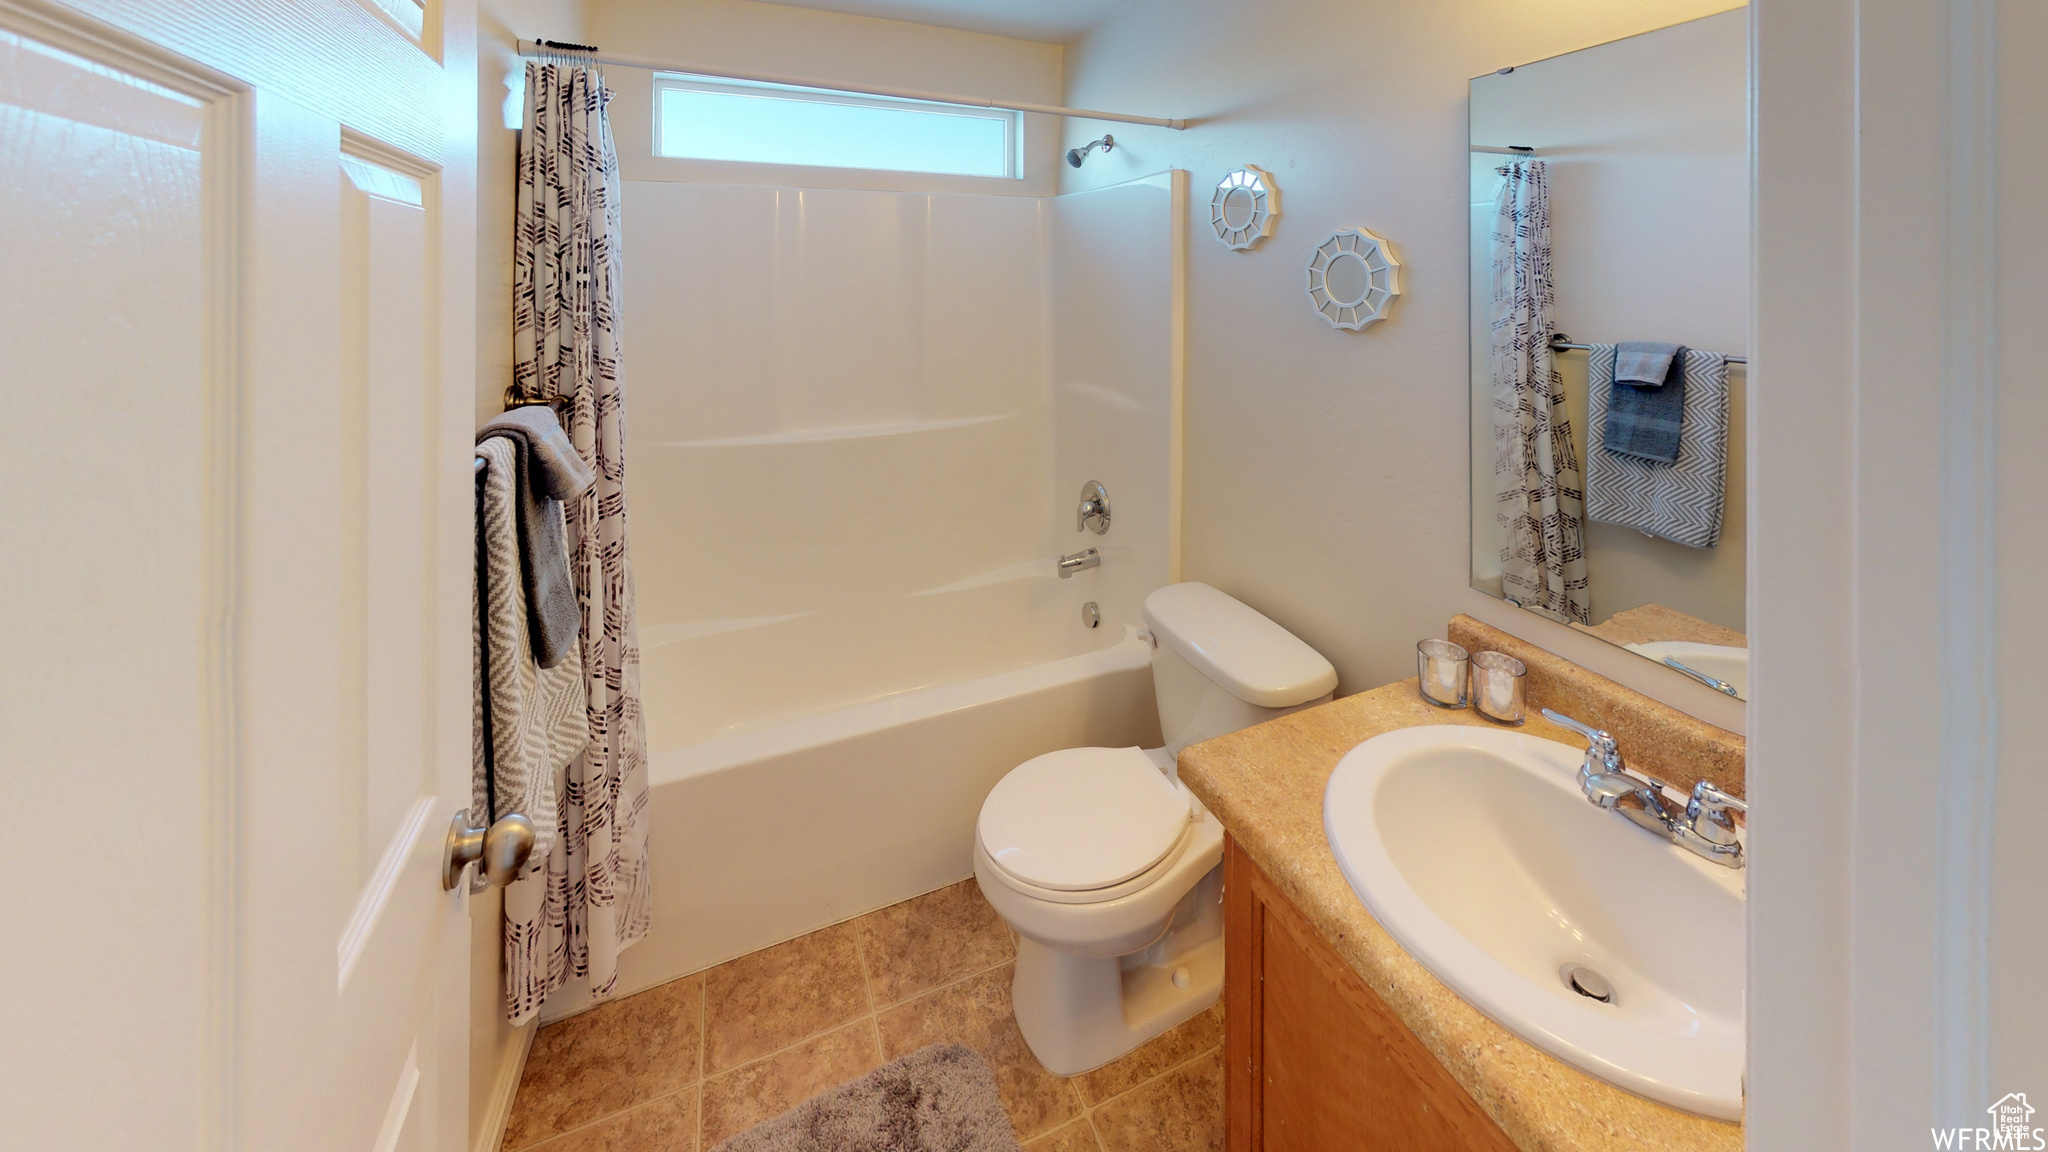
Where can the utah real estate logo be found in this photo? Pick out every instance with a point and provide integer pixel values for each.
(2012, 1127)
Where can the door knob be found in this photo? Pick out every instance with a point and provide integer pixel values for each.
(499, 851)
(506, 847)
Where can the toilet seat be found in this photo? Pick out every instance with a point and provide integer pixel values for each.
(1083, 825)
(1138, 883)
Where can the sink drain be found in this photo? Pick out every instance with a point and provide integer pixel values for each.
(1587, 983)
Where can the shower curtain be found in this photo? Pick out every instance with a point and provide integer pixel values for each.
(572, 914)
(1539, 493)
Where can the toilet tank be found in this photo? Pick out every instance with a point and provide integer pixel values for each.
(1218, 665)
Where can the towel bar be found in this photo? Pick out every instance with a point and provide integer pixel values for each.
(1560, 343)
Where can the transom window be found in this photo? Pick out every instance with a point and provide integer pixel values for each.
(704, 119)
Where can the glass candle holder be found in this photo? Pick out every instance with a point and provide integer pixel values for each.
(1443, 667)
(1498, 681)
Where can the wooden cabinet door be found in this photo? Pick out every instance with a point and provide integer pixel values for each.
(1316, 1060)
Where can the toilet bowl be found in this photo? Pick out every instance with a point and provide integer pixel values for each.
(1108, 867)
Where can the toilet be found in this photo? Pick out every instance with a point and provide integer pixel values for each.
(1108, 867)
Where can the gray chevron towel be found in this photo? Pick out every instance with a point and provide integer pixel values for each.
(529, 721)
(550, 474)
(1680, 501)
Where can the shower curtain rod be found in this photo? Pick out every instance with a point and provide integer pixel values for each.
(551, 48)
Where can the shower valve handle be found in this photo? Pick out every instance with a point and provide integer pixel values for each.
(1093, 514)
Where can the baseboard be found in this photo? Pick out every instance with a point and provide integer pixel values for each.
(491, 1133)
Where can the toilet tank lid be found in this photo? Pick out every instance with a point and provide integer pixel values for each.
(1256, 660)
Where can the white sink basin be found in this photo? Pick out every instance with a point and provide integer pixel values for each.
(1476, 850)
(1724, 663)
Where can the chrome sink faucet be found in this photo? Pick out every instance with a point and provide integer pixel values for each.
(1705, 828)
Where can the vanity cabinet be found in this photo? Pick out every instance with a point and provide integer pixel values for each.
(1316, 1061)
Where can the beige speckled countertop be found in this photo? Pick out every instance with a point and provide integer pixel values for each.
(1266, 785)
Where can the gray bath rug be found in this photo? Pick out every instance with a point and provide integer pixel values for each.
(937, 1099)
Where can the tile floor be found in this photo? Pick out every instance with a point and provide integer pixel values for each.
(681, 1067)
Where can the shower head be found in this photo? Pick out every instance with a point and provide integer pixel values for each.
(1076, 155)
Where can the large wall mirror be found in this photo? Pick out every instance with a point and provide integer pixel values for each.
(1610, 312)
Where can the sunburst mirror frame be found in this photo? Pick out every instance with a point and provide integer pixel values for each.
(1383, 278)
(1258, 183)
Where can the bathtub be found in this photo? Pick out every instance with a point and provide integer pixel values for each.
(761, 835)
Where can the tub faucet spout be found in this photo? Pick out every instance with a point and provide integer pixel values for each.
(1079, 562)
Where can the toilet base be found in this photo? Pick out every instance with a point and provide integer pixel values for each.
(1080, 1012)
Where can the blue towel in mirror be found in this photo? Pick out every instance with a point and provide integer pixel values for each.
(1646, 403)
(1641, 362)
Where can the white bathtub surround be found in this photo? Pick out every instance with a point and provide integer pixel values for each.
(859, 430)
(592, 900)
(1107, 867)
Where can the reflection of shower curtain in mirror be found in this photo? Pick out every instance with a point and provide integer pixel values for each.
(1539, 493)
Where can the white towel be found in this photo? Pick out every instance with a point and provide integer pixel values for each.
(1680, 501)
(536, 717)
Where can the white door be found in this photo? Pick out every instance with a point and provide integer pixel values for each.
(236, 360)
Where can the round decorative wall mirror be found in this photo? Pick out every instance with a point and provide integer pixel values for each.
(1243, 207)
(1352, 278)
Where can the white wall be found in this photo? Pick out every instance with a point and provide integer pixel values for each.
(1647, 144)
(1325, 470)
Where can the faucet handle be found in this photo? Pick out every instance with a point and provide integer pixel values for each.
(1708, 794)
(1707, 813)
(1600, 743)
(1093, 512)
